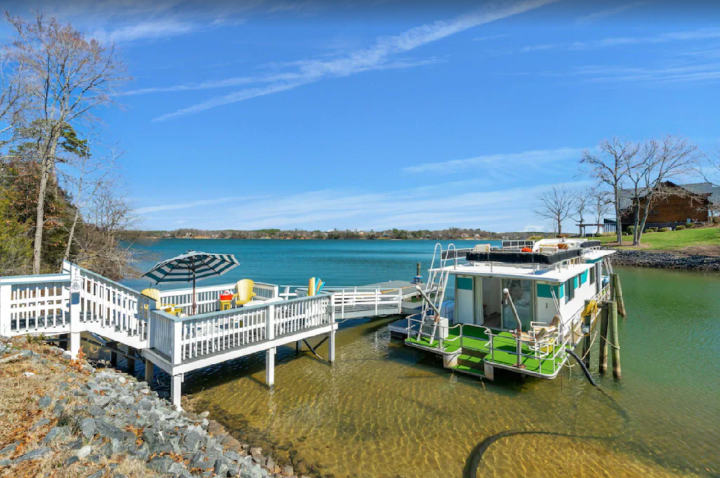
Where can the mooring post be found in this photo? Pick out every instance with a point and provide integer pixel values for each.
(615, 341)
(602, 359)
(149, 372)
(419, 266)
(618, 295)
(587, 322)
(298, 346)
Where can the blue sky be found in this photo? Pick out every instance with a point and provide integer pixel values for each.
(321, 115)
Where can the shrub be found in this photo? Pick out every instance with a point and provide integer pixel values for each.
(689, 225)
(715, 220)
(631, 230)
(651, 229)
(664, 229)
(679, 228)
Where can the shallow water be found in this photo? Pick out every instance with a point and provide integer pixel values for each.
(387, 410)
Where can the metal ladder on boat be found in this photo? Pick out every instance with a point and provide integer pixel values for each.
(435, 289)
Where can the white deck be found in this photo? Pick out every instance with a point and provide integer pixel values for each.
(78, 300)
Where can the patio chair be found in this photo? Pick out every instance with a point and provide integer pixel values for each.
(245, 292)
(155, 295)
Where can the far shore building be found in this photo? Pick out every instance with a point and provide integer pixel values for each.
(679, 204)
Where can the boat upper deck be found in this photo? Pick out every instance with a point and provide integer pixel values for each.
(554, 275)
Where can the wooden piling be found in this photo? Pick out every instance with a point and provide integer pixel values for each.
(618, 295)
(614, 340)
(587, 321)
(130, 361)
(604, 322)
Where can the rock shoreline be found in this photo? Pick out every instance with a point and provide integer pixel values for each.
(666, 260)
(92, 421)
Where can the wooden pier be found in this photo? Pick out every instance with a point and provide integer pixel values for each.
(77, 301)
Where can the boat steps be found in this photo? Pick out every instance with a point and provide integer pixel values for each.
(474, 352)
(469, 370)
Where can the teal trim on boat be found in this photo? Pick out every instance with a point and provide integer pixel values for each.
(544, 291)
(584, 277)
(464, 283)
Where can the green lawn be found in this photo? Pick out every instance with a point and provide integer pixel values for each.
(674, 240)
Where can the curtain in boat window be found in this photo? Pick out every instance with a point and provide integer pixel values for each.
(521, 292)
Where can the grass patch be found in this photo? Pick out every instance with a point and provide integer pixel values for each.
(672, 240)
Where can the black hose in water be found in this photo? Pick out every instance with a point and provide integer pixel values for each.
(473, 460)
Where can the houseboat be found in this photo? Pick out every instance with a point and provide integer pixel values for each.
(519, 307)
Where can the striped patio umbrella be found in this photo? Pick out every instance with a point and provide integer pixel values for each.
(192, 266)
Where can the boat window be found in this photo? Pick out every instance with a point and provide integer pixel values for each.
(569, 290)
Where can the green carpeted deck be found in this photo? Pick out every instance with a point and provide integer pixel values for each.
(474, 338)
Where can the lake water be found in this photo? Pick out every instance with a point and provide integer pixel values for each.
(385, 410)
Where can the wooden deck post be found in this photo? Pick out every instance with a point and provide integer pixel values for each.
(75, 325)
(615, 341)
(149, 372)
(131, 361)
(587, 322)
(604, 322)
(113, 359)
(176, 390)
(270, 353)
(270, 366)
(618, 295)
(331, 347)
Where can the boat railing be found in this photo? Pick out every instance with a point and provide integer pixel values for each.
(552, 346)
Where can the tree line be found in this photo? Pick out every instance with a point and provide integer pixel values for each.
(400, 234)
(630, 173)
(60, 196)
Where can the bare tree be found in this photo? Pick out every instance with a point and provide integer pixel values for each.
(12, 101)
(106, 216)
(66, 77)
(556, 205)
(638, 169)
(600, 205)
(673, 156)
(610, 167)
(85, 176)
(581, 205)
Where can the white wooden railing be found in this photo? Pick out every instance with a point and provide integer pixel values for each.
(188, 338)
(34, 304)
(356, 301)
(208, 297)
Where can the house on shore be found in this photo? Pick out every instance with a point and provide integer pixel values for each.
(677, 204)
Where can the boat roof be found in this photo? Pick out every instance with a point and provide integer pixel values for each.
(554, 275)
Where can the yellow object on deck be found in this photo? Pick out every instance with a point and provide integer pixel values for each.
(154, 294)
(311, 287)
(244, 292)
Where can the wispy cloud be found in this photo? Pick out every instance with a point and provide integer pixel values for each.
(669, 74)
(415, 208)
(506, 161)
(187, 205)
(593, 17)
(378, 56)
(692, 35)
(145, 30)
(490, 37)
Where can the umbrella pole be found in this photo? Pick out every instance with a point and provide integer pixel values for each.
(194, 303)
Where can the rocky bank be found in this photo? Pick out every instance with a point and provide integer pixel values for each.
(63, 418)
(666, 260)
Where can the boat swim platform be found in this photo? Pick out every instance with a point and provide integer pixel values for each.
(166, 333)
(471, 352)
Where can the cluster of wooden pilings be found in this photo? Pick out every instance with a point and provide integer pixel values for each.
(609, 335)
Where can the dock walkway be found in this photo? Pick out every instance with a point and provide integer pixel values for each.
(78, 300)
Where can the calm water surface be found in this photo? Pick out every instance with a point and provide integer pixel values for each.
(385, 410)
